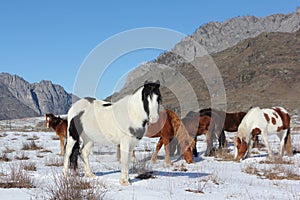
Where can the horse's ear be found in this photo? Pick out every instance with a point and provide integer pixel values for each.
(157, 83)
(146, 82)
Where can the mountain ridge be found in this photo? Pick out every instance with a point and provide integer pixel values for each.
(215, 40)
(22, 99)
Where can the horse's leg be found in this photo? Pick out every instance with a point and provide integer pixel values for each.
(158, 146)
(249, 148)
(69, 147)
(282, 135)
(222, 139)
(86, 151)
(195, 152)
(265, 138)
(125, 147)
(173, 146)
(166, 143)
(209, 143)
(118, 153)
(62, 144)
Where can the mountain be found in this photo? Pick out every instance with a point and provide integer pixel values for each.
(256, 58)
(20, 99)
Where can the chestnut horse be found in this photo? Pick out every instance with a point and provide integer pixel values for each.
(169, 127)
(172, 132)
(60, 126)
(263, 121)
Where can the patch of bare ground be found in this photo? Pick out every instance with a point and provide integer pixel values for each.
(276, 172)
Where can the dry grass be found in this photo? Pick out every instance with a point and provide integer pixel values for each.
(33, 138)
(54, 137)
(223, 155)
(31, 146)
(181, 168)
(54, 161)
(8, 150)
(75, 188)
(30, 166)
(276, 160)
(17, 178)
(202, 184)
(277, 172)
(4, 157)
(21, 156)
(45, 151)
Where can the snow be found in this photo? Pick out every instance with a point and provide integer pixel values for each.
(211, 177)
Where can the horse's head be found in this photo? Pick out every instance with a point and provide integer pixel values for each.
(241, 147)
(151, 99)
(49, 117)
(188, 153)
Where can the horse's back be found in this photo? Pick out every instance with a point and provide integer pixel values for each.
(84, 111)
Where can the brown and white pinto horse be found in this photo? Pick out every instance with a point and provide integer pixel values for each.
(264, 122)
(60, 126)
(169, 127)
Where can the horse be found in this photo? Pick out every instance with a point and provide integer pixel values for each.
(223, 121)
(60, 127)
(263, 121)
(169, 127)
(198, 125)
(123, 122)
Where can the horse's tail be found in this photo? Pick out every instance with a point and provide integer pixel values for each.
(74, 130)
(288, 143)
(74, 155)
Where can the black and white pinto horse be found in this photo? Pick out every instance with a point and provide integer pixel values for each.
(123, 122)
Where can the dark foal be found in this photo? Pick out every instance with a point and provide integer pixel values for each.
(60, 126)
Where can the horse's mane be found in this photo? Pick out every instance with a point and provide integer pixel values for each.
(180, 132)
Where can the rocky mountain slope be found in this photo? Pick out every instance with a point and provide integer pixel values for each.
(256, 58)
(19, 98)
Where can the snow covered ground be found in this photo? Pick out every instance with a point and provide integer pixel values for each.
(206, 178)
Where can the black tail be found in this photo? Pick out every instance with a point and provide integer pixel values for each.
(74, 156)
(74, 129)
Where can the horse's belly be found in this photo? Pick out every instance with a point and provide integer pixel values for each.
(102, 137)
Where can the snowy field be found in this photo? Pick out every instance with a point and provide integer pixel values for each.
(206, 178)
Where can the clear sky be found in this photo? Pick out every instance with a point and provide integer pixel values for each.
(49, 40)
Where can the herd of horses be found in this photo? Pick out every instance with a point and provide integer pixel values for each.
(126, 121)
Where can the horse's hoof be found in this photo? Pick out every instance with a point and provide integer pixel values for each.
(153, 161)
(124, 182)
(90, 175)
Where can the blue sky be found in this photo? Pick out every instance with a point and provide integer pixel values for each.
(49, 40)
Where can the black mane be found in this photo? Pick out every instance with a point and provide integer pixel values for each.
(149, 89)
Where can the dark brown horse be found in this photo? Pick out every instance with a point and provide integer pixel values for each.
(169, 127)
(221, 121)
(60, 126)
(198, 124)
